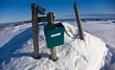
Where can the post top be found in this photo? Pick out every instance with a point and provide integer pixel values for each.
(34, 5)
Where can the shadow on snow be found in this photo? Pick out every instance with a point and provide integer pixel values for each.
(8, 50)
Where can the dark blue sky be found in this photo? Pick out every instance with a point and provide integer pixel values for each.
(19, 10)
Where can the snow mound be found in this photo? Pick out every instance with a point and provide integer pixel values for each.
(74, 54)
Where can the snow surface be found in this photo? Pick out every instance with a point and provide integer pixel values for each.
(16, 50)
(101, 29)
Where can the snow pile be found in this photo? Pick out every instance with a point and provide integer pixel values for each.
(74, 54)
(102, 29)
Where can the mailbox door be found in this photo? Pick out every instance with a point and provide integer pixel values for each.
(55, 37)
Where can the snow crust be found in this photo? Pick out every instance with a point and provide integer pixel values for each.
(16, 50)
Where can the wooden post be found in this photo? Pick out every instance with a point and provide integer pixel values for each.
(35, 31)
(78, 21)
(50, 17)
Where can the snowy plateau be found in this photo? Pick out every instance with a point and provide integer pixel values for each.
(97, 52)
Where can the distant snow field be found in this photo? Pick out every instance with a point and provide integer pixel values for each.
(102, 29)
(16, 48)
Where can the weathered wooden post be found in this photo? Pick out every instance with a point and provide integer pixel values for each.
(35, 31)
(78, 21)
(50, 17)
(35, 11)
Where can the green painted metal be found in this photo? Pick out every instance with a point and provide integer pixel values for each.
(54, 34)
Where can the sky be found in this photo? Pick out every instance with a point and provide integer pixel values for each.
(20, 10)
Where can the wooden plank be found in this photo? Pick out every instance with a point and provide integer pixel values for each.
(41, 10)
(42, 19)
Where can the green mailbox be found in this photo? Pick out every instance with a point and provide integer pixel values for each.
(54, 34)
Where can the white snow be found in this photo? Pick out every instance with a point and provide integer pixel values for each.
(102, 29)
(16, 50)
